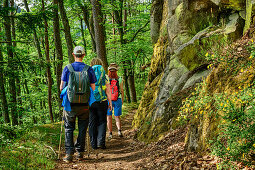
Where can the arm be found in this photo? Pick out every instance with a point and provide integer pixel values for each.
(109, 96)
(122, 92)
(62, 85)
(93, 86)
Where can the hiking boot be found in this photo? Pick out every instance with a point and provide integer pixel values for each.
(110, 136)
(101, 146)
(120, 134)
(80, 155)
(68, 158)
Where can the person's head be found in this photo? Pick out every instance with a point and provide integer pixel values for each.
(96, 61)
(112, 70)
(78, 52)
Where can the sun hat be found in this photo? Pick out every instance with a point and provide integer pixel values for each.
(78, 50)
(113, 66)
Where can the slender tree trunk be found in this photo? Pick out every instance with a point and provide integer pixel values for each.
(66, 25)
(113, 28)
(36, 40)
(99, 32)
(125, 77)
(17, 77)
(118, 19)
(248, 15)
(2, 88)
(83, 36)
(89, 25)
(59, 53)
(47, 54)
(13, 100)
(125, 18)
(131, 82)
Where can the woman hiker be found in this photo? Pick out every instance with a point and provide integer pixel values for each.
(98, 106)
(117, 96)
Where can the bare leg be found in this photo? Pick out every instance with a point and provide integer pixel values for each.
(109, 123)
(118, 123)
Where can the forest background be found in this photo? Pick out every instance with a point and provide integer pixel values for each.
(37, 39)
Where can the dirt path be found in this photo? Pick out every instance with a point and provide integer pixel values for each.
(120, 152)
(127, 153)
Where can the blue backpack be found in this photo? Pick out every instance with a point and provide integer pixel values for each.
(99, 92)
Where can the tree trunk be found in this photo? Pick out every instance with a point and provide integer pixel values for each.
(99, 32)
(83, 36)
(125, 18)
(118, 19)
(248, 15)
(59, 53)
(66, 25)
(89, 25)
(13, 100)
(125, 77)
(47, 54)
(131, 82)
(36, 40)
(2, 88)
(113, 28)
(17, 78)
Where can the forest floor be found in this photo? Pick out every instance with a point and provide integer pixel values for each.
(128, 153)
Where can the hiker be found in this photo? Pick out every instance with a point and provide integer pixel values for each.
(117, 95)
(98, 106)
(78, 78)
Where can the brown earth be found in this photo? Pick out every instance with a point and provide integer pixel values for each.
(128, 153)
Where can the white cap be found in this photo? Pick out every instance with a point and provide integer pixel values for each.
(78, 50)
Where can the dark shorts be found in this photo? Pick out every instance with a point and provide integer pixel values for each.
(82, 112)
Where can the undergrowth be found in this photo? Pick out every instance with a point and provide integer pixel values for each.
(29, 148)
(226, 98)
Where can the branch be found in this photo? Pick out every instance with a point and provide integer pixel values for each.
(139, 31)
(16, 41)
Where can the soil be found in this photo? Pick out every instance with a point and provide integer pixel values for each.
(128, 153)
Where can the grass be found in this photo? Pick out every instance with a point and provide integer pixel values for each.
(35, 149)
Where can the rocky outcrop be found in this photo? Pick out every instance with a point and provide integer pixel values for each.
(187, 29)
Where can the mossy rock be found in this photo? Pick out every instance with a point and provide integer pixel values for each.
(152, 130)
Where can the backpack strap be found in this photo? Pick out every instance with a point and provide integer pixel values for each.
(85, 68)
(70, 67)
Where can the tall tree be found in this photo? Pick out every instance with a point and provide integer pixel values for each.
(83, 36)
(118, 19)
(66, 25)
(36, 40)
(17, 77)
(99, 32)
(2, 88)
(47, 54)
(248, 15)
(90, 25)
(58, 48)
(12, 85)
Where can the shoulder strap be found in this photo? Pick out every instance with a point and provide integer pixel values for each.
(101, 76)
(85, 68)
(70, 67)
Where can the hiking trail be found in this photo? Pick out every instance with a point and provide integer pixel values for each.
(128, 153)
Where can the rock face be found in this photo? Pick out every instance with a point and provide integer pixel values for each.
(182, 31)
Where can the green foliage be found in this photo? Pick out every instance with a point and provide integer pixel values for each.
(35, 149)
(226, 100)
(236, 140)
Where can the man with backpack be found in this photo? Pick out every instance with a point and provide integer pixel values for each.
(117, 96)
(98, 106)
(77, 78)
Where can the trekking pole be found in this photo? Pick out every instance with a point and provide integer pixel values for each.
(59, 146)
(87, 142)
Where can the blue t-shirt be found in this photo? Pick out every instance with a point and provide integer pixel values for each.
(78, 66)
